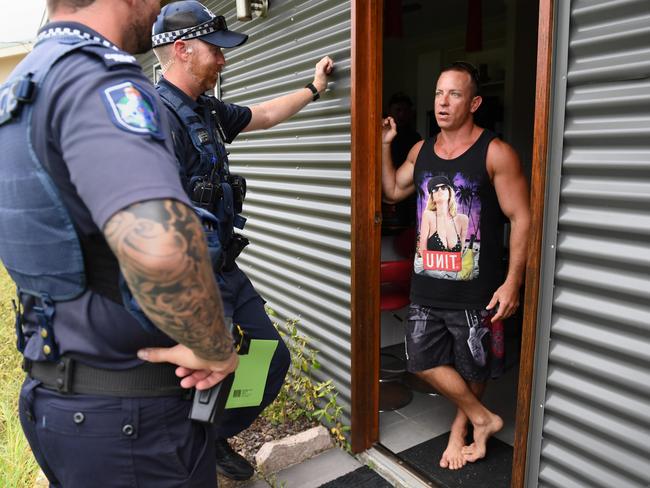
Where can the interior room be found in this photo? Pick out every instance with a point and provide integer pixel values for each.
(499, 37)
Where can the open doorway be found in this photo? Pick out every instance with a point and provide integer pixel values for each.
(500, 39)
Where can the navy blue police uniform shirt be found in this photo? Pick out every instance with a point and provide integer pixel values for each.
(233, 119)
(103, 135)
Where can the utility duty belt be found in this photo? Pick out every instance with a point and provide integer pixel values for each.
(72, 377)
(206, 194)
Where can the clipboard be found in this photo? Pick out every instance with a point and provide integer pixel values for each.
(247, 389)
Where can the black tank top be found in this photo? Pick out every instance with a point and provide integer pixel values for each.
(457, 203)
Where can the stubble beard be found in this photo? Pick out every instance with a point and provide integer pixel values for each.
(202, 77)
(139, 38)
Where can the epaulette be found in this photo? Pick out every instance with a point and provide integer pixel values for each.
(111, 57)
(109, 53)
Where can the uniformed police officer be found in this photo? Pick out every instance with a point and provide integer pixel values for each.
(187, 39)
(89, 185)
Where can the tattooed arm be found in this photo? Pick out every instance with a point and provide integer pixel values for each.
(164, 258)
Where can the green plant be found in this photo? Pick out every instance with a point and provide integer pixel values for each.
(331, 414)
(301, 395)
(18, 467)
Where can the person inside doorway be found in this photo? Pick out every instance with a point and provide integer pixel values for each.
(400, 108)
(446, 340)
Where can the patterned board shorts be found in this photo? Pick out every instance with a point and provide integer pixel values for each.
(464, 339)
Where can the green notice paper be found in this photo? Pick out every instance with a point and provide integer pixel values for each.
(250, 377)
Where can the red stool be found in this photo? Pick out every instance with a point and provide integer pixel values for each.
(404, 243)
(395, 277)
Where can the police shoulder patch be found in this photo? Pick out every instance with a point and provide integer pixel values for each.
(132, 109)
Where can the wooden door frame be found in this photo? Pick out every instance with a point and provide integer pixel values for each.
(366, 105)
(366, 114)
(539, 171)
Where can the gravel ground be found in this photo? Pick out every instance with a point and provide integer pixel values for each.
(249, 441)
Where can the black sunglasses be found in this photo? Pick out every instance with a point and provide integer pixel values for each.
(217, 23)
(438, 187)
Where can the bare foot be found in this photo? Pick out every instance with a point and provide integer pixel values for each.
(453, 457)
(476, 450)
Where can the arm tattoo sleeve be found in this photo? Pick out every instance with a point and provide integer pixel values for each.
(164, 258)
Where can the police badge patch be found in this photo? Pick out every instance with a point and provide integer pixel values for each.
(132, 109)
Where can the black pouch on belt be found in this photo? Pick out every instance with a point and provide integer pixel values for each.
(208, 405)
(234, 249)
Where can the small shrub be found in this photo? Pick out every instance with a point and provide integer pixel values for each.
(301, 395)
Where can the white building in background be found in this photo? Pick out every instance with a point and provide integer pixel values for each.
(18, 29)
(11, 53)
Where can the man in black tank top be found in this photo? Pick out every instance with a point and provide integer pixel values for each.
(465, 180)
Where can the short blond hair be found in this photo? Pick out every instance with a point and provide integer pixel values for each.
(164, 53)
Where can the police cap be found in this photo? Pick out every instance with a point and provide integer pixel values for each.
(189, 19)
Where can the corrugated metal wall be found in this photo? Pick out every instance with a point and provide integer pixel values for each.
(298, 173)
(591, 405)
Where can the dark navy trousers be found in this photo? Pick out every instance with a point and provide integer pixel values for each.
(84, 440)
(246, 307)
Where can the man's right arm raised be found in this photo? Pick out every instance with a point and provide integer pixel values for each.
(397, 184)
(164, 258)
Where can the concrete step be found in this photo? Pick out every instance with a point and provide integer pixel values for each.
(311, 473)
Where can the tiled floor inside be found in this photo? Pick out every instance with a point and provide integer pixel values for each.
(428, 416)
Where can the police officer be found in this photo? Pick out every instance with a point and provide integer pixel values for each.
(187, 39)
(88, 186)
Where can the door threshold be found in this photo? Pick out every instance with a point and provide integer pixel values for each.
(395, 470)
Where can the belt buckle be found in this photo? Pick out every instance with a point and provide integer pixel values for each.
(64, 373)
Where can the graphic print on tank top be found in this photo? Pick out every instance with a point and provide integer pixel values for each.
(448, 227)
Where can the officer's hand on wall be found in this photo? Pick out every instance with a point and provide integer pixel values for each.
(194, 371)
(323, 68)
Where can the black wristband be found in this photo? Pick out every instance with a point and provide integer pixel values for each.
(314, 90)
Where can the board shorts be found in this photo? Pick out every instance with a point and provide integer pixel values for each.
(464, 339)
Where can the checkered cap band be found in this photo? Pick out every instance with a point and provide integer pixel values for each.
(192, 33)
(69, 32)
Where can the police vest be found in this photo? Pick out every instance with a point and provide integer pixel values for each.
(213, 187)
(39, 245)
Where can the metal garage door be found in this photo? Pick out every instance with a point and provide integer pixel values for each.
(298, 173)
(591, 405)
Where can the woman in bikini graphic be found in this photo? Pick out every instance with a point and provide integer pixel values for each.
(442, 228)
